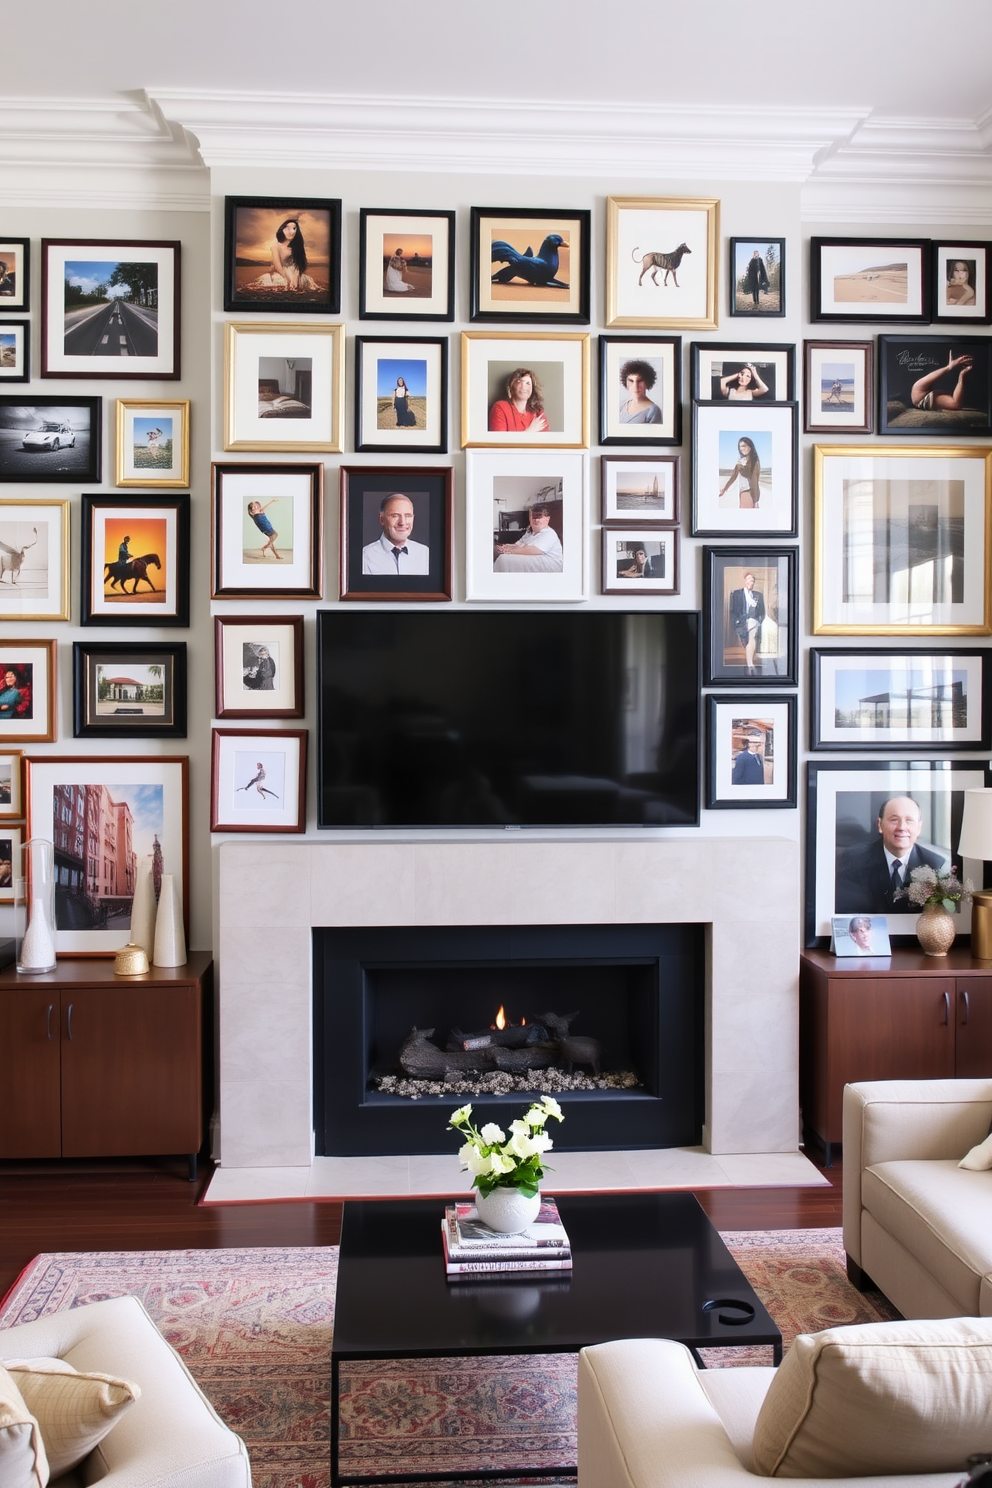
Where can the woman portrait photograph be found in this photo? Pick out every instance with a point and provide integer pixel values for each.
(282, 255)
(640, 390)
(744, 471)
(960, 282)
(401, 394)
(530, 391)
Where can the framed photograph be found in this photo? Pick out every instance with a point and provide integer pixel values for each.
(838, 387)
(34, 560)
(258, 666)
(11, 841)
(11, 785)
(109, 308)
(525, 527)
(739, 372)
(27, 692)
(282, 255)
(15, 274)
(661, 262)
(525, 392)
(901, 540)
(744, 469)
(129, 690)
(640, 390)
(869, 700)
(49, 439)
(869, 279)
(81, 802)
(530, 264)
(640, 489)
(757, 276)
(284, 387)
(640, 560)
(406, 265)
(960, 283)
(258, 780)
(752, 751)
(266, 531)
(401, 395)
(135, 560)
(860, 935)
(152, 443)
(751, 616)
(861, 813)
(934, 385)
(396, 539)
(15, 349)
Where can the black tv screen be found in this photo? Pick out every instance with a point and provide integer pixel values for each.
(507, 718)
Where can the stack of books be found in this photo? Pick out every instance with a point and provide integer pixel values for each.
(471, 1247)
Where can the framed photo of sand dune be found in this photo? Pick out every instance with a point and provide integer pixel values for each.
(859, 279)
(406, 265)
(282, 254)
(401, 395)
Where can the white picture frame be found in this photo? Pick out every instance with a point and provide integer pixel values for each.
(284, 387)
(499, 489)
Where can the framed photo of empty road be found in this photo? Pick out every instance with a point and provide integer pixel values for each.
(109, 308)
(531, 264)
(870, 279)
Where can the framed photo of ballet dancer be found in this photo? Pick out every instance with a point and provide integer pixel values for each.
(876, 279)
(27, 692)
(640, 560)
(15, 274)
(401, 395)
(258, 666)
(110, 308)
(742, 371)
(266, 531)
(838, 387)
(282, 254)
(961, 283)
(751, 752)
(757, 277)
(661, 262)
(530, 264)
(527, 391)
(258, 780)
(396, 532)
(129, 690)
(934, 385)
(153, 444)
(135, 560)
(640, 390)
(284, 387)
(406, 264)
(751, 616)
(34, 560)
(744, 469)
(525, 534)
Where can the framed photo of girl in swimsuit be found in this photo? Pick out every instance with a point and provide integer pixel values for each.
(530, 264)
(406, 264)
(640, 390)
(934, 385)
(135, 560)
(526, 391)
(282, 255)
(742, 371)
(258, 780)
(401, 395)
(744, 469)
(266, 531)
(961, 283)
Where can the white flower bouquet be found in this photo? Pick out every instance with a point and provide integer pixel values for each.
(928, 887)
(496, 1160)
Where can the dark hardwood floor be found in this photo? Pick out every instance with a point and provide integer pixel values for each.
(149, 1204)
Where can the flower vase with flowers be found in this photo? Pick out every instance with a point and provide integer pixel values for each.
(507, 1170)
(936, 895)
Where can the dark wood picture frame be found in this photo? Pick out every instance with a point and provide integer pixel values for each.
(363, 491)
(267, 741)
(126, 721)
(537, 263)
(372, 302)
(738, 296)
(747, 709)
(916, 372)
(374, 442)
(286, 702)
(51, 461)
(15, 289)
(840, 424)
(112, 321)
(947, 699)
(724, 570)
(876, 289)
(325, 300)
(666, 514)
(129, 508)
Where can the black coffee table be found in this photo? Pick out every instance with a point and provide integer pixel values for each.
(645, 1265)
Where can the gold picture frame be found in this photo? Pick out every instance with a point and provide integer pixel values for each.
(152, 449)
(558, 364)
(284, 387)
(662, 262)
(34, 560)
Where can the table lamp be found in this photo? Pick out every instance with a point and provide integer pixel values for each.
(975, 841)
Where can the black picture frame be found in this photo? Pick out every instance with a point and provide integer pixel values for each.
(249, 221)
(663, 355)
(771, 429)
(771, 256)
(127, 720)
(711, 361)
(945, 255)
(900, 684)
(410, 222)
(876, 286)
(724, 653)
(8, 344)
(371, 438)
(730, 719)
(128, 509)
(533, 248)
(102, 335)
(364, 490)
(15, 286)
(82, 461)
(240, 574)
(907, 364)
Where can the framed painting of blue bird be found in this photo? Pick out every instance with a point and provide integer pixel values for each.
(530, 264)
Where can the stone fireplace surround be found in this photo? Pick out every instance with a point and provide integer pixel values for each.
(271, 895)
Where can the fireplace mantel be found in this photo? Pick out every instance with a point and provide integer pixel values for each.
(272, 895)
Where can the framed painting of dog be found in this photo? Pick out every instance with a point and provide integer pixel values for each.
(661, 262)
(34, 560)
(530, 264)
(135, 560)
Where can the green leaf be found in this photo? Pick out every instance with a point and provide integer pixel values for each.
(949, 905)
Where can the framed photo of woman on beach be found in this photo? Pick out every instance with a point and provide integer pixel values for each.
(961, 283)
(406, 265)
(869, 279)
(525, 391)
(640, 489)
(401, 395)
(838, 386)
(282, 254)
(744, 469)
(934, 385)
(640, 390)
(530, 264)
(135, 560)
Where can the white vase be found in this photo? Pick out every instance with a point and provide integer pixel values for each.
(143, 909)
(37, 952)
(508, 1210)
(170, 941)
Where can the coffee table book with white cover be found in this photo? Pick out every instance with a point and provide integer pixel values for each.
(521, 1262)
(470, 1245)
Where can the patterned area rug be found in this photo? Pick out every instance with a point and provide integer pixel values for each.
(254, 1327)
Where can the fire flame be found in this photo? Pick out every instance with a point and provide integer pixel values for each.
(501, 1018)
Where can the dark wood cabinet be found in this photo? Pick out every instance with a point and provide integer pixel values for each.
(94, 1065)
(902, 1017)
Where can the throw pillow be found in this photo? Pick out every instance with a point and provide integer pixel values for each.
(907, 1397)
(979, 1157)
(74, 1411)
(23, 1463)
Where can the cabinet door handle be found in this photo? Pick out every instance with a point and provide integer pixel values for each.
(946, 996)
(967, 1008)
(68, 1020)
(48, 1021)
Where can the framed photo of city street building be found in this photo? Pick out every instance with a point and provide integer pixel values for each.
(961, 283)
(401, 395)
(640, 390)
(931, 385)
(15, 274)
(258, 780)
(11, 841)
(135, 560)
(751, 752)
(15, 350)
(641, 489)
(266, 531)
(284, 387)
(153, 444)
(27, 692)
(530, 264)
(109, 308)
(838, 387)
(282, 255)
(750, 616)
(661, 262)
(258, 666)
(129, 690)
(744, 469)
(865, 701)
(79, 803)
(869, 279)
(406, 264)
(757, 277)
(49, 439)
(11, 785)
(901, 540)
(34, 560)
(396, 532)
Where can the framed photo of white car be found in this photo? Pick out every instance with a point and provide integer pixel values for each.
(49, 439)
(34, 560)
(525, 527)
(110, 308)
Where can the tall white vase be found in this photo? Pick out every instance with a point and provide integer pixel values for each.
(37, 951)
(170, 941)
(143, 909)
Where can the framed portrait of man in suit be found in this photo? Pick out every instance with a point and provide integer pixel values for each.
(750, 610)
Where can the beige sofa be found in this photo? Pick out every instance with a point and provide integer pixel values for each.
(916, 1224)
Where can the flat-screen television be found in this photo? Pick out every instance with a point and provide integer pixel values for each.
(507, 718)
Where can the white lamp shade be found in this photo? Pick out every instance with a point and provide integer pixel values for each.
(976, 826)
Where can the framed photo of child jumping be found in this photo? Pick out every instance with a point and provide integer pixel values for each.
(267, 531)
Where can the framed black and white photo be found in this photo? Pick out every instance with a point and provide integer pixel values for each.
(525, 391)
(282, 255)
(110, 308)
(661, 262)
(744, 469)
(406, 264)
(401, 395)
(27, 692)
(901, 540)
(15, 274)
(153, 443)
(961, 283)
(258, 780)
(11, 842)
(50, 439)
(934, 385)
(640, 390)
(258, 666)
(640, 489)
(869, 279)
(266, 531)
(129, 690)
(751, 752)
(870, 700)
(861, 813)
(751, 616)
(530, 264)
(640, 560)
(34, 560)
(284, 387)
(838, 387)
(525, 527)
(742, 372)
(757, 276)
(15, 350)
(135, 560)
(11, 784)
(396, 532)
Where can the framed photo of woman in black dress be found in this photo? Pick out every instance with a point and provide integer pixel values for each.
(401, 395)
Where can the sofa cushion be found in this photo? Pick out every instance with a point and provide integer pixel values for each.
(942, 1215)
(74, 1411)
(980, 1157)
(23, 1463)
(906, 1397)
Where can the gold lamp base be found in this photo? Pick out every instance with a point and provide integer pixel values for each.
(132, 960)
(981, 925)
